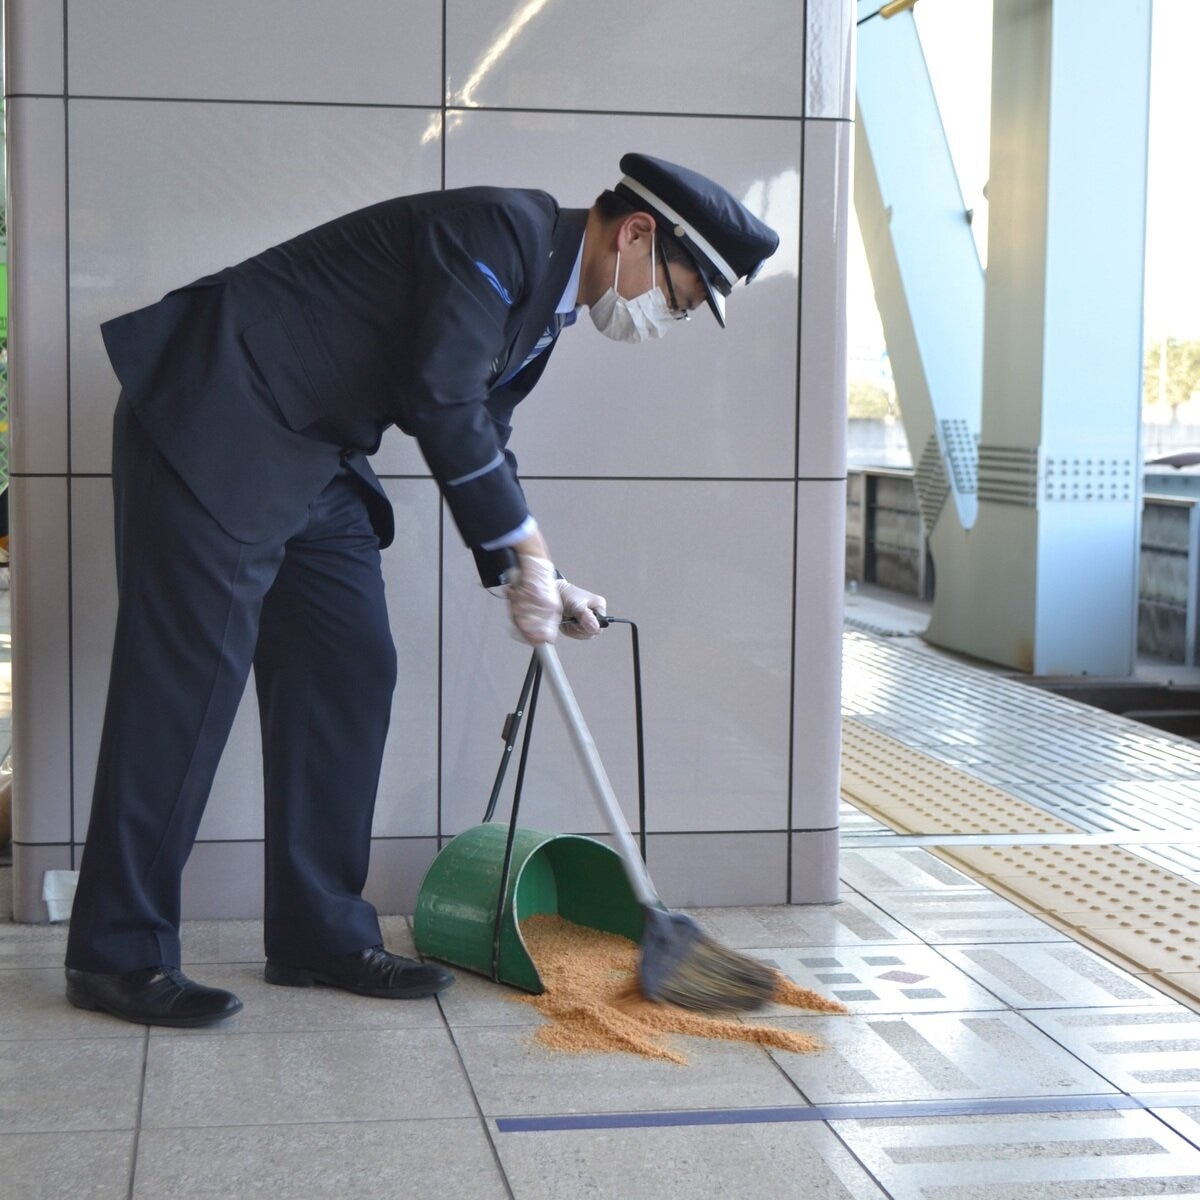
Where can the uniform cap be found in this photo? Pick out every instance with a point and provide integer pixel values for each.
(724, 239)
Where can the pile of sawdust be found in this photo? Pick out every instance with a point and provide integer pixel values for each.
(593, 1002)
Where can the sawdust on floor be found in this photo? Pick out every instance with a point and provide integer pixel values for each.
(592, 1002)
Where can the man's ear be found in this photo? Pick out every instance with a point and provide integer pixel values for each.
(636, 228)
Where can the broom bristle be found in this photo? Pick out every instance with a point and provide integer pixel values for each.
(713, 978)
(682, 965)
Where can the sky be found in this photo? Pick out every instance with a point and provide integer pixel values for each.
(956, 38)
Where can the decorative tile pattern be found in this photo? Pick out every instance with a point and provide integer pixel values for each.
(933, 1057)
(1050, 975)
(888, 979)
(911, 869)
(853, 921)
(1140, 1050)
(1048, 1156)
(963, 916)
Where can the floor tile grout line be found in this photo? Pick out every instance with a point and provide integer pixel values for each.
(1191, 1139)
(483, 1119)
(1023, 1014)
(861, 1162)
(779, 1067)
(137, 1128)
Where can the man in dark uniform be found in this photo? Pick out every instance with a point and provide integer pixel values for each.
(249, 525)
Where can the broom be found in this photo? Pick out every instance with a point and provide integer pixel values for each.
(680, 964)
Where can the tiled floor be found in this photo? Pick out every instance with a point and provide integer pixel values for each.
(987, 1055)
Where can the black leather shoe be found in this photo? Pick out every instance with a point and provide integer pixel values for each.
(151, 996)
(370, 972)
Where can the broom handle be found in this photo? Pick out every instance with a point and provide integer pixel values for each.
(589, 757)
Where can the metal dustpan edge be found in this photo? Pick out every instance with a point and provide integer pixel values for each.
(577, 877)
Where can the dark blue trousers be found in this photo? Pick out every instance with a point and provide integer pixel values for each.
(196, 609)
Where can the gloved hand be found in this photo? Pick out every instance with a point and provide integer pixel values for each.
(533, 600)
(583, 606)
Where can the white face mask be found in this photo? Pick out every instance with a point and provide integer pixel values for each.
(645, 316)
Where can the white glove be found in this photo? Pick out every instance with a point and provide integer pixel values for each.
(583, 606)
(533, 600)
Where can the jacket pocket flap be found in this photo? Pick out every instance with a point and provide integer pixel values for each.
(276, 356)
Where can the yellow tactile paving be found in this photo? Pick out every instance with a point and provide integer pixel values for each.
(1143, 917)
(915, 793)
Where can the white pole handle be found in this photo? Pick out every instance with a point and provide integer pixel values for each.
(589, 757)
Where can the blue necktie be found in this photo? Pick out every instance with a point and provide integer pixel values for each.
(558, 322)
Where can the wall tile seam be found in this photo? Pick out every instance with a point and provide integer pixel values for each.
(433, 106)
(387, 837)
(433, 837)
(425, 107)
(115, 98)
(687, 114)
(525, 478)
(794, 548)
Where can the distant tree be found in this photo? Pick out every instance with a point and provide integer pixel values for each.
(870, 401)
(1183, 372)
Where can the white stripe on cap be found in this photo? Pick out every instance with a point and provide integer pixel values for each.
(702, 243)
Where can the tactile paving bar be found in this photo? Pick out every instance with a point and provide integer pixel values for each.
(914, 793)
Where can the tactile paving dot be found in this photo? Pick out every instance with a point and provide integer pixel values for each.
(1113, 900)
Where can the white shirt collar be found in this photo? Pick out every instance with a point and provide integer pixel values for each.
(568, 303)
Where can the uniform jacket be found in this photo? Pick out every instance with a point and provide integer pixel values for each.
(258, 382)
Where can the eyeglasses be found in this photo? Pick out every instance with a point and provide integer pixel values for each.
(677, 312)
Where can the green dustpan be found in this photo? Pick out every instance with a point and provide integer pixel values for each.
(460, 917)
(576, 877)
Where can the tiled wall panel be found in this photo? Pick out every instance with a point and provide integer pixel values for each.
(41, 666)
(822, 399)
(194, 135)
(215, 183)
(37, 281)
(701, 567)
(698, 56)
(816, 733)
(33, 47)
(702, 401)
(297, 51)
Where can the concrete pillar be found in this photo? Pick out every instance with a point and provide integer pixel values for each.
(1046, 581)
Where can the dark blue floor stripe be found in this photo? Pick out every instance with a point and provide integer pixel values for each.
(838, 1112)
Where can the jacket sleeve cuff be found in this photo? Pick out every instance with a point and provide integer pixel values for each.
(487, 508)
(527, 528)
